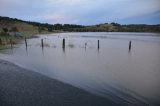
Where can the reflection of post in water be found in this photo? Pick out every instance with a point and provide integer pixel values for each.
(130, 45)
(85, 46)
(43, 51)
(63, 50)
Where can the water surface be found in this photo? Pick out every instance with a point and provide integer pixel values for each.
(112, 71)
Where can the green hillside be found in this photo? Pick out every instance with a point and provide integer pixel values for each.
(17, 26)
(28, 28)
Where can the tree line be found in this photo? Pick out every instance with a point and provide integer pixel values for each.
(106, 27)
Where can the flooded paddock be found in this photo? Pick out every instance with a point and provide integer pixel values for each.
(101, 63)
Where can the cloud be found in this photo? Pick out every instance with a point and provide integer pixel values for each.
(81, 11)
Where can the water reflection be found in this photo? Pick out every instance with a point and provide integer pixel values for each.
(63, 50)
(127, 76)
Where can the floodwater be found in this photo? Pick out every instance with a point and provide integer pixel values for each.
(112, 71)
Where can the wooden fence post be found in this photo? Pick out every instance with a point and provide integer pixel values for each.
(63, 44)
(130, 45)
(11, 43)
(42, 43)
(26, 42)
(98, 44)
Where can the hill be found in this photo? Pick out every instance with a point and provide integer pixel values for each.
(28, 28)
(12, 25)
(115, 27)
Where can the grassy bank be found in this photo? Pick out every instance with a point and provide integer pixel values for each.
(4, 47)
(13, 31)
(6, 41)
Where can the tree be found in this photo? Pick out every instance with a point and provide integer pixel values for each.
(115, 24)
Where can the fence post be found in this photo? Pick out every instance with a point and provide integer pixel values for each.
(130, 45)
(26, 42)
(42, 43)
(11, 43)
(98, 44)
(63, 44)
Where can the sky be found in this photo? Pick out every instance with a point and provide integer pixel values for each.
(84, 12)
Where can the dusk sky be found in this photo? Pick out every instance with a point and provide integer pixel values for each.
(85, 12)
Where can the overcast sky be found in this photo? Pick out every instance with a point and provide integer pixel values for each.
(86, 12)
